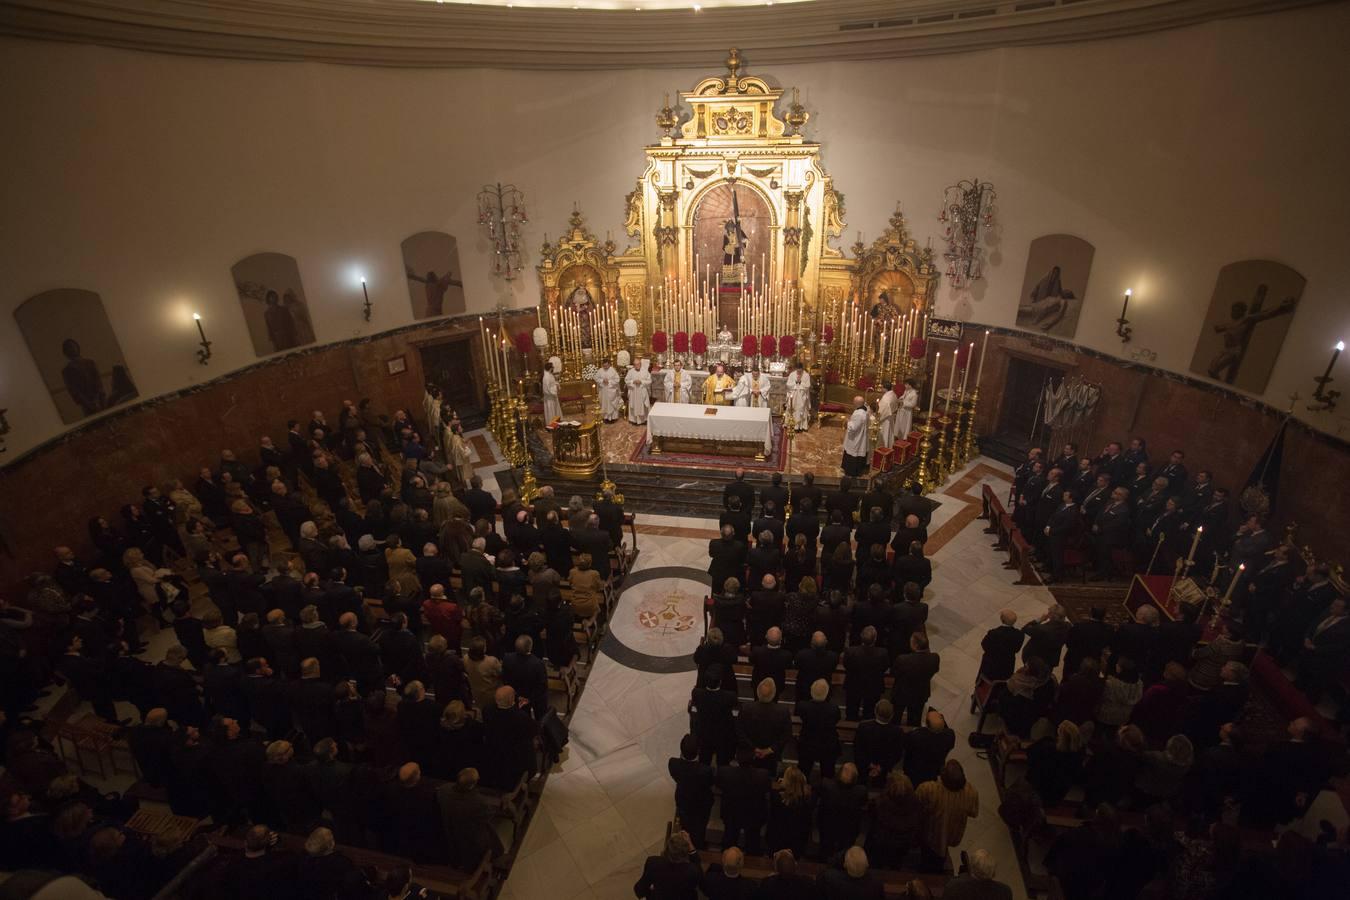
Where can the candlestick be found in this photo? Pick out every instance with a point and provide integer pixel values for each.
(366, 294)
(932, 397)
(965, 374)
(1195, 541)
(205, 352)
(951, 389)
(1335, 354)
(1231, 584)
(979, 374)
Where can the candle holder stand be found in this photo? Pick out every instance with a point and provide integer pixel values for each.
(970, 450)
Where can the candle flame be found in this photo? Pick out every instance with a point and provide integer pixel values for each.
(1129, 292)
(197, 316)
(1340, 345)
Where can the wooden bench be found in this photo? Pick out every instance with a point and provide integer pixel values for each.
(1019, 558)
(476, 885)
(91, 742)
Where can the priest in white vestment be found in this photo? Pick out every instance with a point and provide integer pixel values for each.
(678, 384)
(752, 389)
(639, 382)
(857, 447)
(888, 408)
(461, 457)
(799, 397)
(552, 405)
(607, 382)
(431, 405)
(909, 401)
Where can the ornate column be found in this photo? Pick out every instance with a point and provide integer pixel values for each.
(667, 233)
(792, 237)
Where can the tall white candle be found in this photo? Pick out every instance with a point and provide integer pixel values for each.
(979, 374)
(932, 397)
(965, 375)
(1190, 557)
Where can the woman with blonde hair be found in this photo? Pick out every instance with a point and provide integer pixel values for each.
(460, 743)
(587, 587)
(1055, 761)
(895, 822)
(945, 805)
(791, 809)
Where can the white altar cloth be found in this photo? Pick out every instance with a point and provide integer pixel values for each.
(730, 423)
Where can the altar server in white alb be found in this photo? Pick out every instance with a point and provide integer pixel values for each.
(552, 405)
(799, 397)
(639, 382)
(607, 380)
(888, 407)
(678, 384)
(431, 405)
(857, 447)
(752, 389)
(909, 400)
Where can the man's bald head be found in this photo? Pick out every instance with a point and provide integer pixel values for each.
(1008, 617)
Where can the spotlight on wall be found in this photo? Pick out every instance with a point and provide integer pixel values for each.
(205, 352)
(365, 309)
(1123, 329)
(1326, 400)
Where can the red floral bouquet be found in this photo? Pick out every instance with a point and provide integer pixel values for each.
(767, 345)
(681, 342)
(659, 342)
(748, 345)
(918, 348)
(524, 343)
(787, 345)
(827, 334)
(699, 343)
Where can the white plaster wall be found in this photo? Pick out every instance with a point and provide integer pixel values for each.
(145, 177)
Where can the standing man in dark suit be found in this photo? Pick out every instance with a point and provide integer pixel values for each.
(1063, 526)
(1324, 651)
(745, 801)
(482, 505)
(765, 726)
(713, 710)
(1096, 498)
(774, 494)
(878, 744)
(1111, 532)
(874, 531)
(844, 500)
(809, 492)
(738, 517)
(772, 522)
(1087, 639)
(908, 618)
(1175, 473)
(864, 674)
(914, 673)
(816, 661)
(1046, 637)
(726, 558)
(804, 521)
(1000, 646)
(926, 748)
(739, 488)
(771, 661)
(610, 514)
(693, 790)
(525, 672)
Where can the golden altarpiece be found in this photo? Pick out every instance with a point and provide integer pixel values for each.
(729, 234)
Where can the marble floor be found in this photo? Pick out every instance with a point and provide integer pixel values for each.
(606, 805)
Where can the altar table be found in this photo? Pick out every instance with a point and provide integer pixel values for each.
(729, 430)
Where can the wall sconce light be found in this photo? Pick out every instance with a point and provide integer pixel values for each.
(4, 429)
(1326, 400)
(366, 309)
(205, 352)
(1123, 329)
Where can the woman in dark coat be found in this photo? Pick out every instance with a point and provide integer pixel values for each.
(141, 532)
(792, 807)
(110, 543)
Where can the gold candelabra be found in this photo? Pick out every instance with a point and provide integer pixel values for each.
(923, 475)
(939, 463)
(957, 453)
(970, 450)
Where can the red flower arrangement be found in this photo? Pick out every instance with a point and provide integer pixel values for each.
(767, 345)
(681, 342)
(787, 345)
(748, 345)
(699, 344)
(524, 343)
(918, 348)
(659, 342)
(827, 334)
